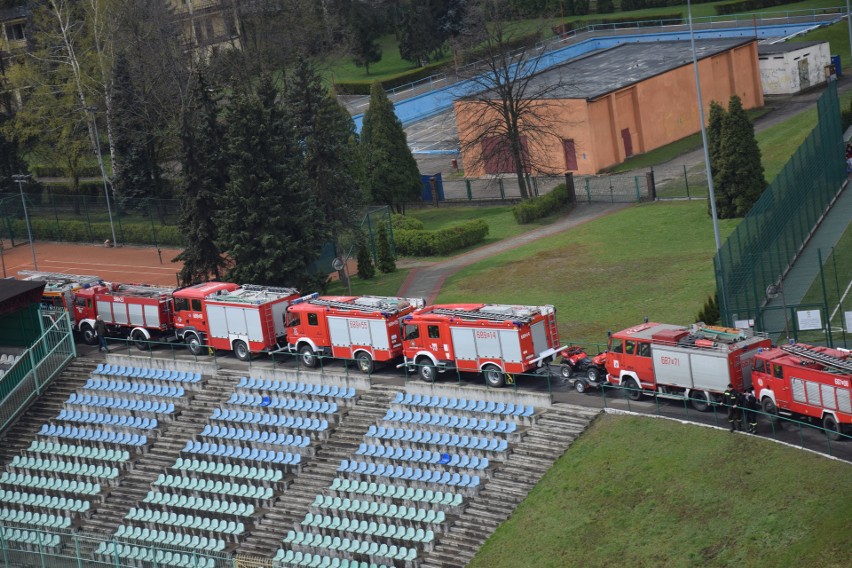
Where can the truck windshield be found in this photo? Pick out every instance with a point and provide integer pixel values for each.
(615, 346)
(181, 304)
(412, 332)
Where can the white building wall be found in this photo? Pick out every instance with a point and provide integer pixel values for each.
(794, 71)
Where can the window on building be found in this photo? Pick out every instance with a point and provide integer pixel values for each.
(15, 32)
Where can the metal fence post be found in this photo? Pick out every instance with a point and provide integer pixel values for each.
(77, 550)
(686, 182)
(588, 190)
(469, 192)
(638, 194)
(502, 190)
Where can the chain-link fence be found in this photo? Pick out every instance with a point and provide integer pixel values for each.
(771, 237)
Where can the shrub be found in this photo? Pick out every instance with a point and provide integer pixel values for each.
(747, 5)
(386, 261)
(605, 7)
(82, 232)
(709, 314)
(538, 207)
(404, 222)
(363, 87)
(441, 242)
(366, 270)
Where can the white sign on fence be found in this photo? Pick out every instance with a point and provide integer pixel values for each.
(809, 319)
(848, 317)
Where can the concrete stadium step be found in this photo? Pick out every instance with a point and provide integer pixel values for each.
(19, 434)
(318, 474)
(550, 435)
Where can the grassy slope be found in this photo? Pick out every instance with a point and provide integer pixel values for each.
(705, 498)
(649, 260)
(380, 285)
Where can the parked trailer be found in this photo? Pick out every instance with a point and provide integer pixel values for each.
(59, 288)
(138, 311)
(496, 340)
(670, 361)
(246, 319)
(365, 328)
(804, 381)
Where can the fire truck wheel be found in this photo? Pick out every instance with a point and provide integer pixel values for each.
(89, 335)
(241, 350)
(698, 400)
(139, 340)
(832, 428)
(306, 354)
(493, 376)
(566, 371)
(193, 343)
(769, 408)
(426, 370)
(631, 389)
(365, 363)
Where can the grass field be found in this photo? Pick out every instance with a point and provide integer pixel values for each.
(650, 260)
(641, 492)
(381, 285)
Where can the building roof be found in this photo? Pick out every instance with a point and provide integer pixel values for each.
(601, 72)
(14, 13)
(16, 294)
(785, 47)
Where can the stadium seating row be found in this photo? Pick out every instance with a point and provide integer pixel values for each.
(31, 518)
(145, 515)
(34, 538)
(50, 483)
(121, 403)
(420, 456)
(148, 389)
(88, 452)
(95, 435)
(410, 474)
(298, 558)
(9, 359)
(168, 538)
(368, 528)
(437, 438)
(242, 452)
(448, 421)
(56, 466)
(300, 404)
(44, 501)
(199, 503)
(156, 557)
(355, 546)
(379, 509)
(344, 485)
(145, 373)
(125, 420)
(235, 415)
(510, 409)
(230, 470)
(265, 437)
(273, 385)
(210, 486)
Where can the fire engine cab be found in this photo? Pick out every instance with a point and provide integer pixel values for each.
(365, 328)
(672, 361)
(59, 288)
(244, 319)
(806, 381)
(138, 311)
(496, 340)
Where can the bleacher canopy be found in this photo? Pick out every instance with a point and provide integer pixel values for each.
(18, 294)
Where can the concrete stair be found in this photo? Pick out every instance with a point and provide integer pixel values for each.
(160, 455)
(318, 473)
(550, 436)
(22, 432)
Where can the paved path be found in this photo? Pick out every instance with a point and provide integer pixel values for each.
(426, 281)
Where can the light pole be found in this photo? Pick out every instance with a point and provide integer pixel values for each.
(21, 178)
(97, 148)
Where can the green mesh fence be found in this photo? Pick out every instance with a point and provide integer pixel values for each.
(769, 239)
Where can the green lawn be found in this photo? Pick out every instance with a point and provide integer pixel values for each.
(634, 491)
(381, 285)
(501, 222)
(650, 260)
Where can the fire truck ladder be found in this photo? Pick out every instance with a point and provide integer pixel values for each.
(59, 278)
(480, 315)
(352, 306)
(827, 360)
(270, 289)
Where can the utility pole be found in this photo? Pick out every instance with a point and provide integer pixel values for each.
(21, 178)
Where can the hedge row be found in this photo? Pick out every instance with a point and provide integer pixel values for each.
(748, 5)
(643, 20)
(53, 171)
(406, 223)
(538, 207)
(363, 87)
(428, 243)
(82, 232)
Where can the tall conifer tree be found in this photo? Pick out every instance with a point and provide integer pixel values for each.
(740, 176)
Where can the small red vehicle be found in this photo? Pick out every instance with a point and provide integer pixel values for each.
(582, 371)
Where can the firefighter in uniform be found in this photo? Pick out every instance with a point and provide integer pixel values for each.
(731, 400)
(751, 410)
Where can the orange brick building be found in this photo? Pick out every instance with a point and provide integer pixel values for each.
(616, 103)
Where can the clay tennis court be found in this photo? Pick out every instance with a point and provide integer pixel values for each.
(128, 264)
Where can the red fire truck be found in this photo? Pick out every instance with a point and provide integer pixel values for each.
(365, 328)
(138, 311)
(59, 288)
(246, 319)
(804, 381)
(673, 361)
(496, 340)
